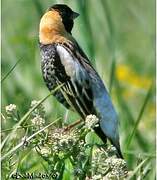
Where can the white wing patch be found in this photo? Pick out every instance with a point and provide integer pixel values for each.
(67, 60)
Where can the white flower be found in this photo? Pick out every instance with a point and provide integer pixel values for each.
(45, 151)
(118, 167)
(63, 141)
(38, 121)
(97, 177)
(91, 121)
(10, 108)
(34, 102)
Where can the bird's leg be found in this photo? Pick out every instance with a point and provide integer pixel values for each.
(72, 125)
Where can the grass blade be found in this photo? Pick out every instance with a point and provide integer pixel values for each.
(83, 8)
(112, 74)
(137, 168)
(9, 72)
(124, 106)
(139, 117)
(146, 170)
(24, 118)
(38, 7)
(111, 42)
(27, 140)
(137, 154)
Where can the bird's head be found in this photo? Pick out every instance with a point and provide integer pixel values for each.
(58, 19)
(66, 14)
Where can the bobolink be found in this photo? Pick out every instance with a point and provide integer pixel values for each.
(63, 61)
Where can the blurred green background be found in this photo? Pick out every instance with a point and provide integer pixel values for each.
(118, 37)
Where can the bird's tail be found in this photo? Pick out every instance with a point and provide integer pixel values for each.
(103, 137)
(119, 153)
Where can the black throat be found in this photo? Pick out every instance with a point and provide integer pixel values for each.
(68, 24)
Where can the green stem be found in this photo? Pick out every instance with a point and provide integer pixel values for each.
(5, 130)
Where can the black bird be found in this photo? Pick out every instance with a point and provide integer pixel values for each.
(63, 61)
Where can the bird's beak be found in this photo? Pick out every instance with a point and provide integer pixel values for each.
(75, 15)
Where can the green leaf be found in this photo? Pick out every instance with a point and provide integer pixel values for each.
(139, 117)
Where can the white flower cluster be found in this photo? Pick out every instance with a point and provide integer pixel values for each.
(34, 103)
(118, 167)
(63, 141)
(38, 114)
(45, 151)
(10, 108)
(91, 121)
(105, 166)
(38, 121)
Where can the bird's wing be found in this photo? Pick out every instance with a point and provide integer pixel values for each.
(89, 93)
(77, 89)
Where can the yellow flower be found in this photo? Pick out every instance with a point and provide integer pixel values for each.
(128, 76)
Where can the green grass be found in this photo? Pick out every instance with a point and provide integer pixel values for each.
(113, 35)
